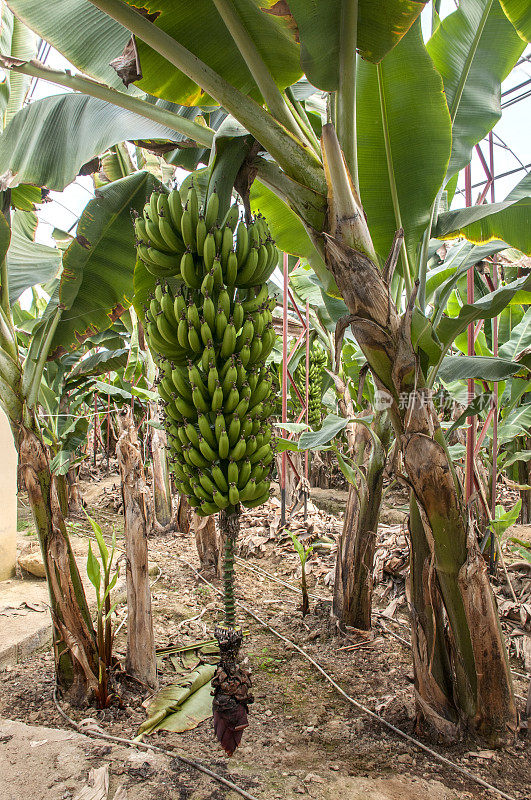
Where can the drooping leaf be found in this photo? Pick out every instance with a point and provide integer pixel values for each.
(380, 27)
(96, 283)
(455, 368)
(98, 363)
(200, 29)
(28, 262)
(519, 12)
(332, 425)
(401, 102)
(474, 49)
(487, 307)
(516, 423)
(72, 438)
(48, 141)
(509, 220)
(520, 338)
(520, 455)
(87, 37)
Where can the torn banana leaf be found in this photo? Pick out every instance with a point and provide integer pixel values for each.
(175, 698)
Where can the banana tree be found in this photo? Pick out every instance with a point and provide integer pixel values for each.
(103, 238)
(392, 96)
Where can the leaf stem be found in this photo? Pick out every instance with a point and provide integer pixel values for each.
(297, 160)
(346, 93)
(192, 130)
(257, 67)
(392, 180)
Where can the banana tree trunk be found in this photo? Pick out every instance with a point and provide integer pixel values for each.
(207, 543)
(353, 585)
(481, 681)
(140, 658)
(431, 656)
(61, 489)
(161, 478)
(76, 657)
(75, 499)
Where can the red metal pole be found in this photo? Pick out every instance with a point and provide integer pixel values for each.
(285, 267)
(108, 423)
(307, 398)
(471, 430)
(495, 397)
(95, 440)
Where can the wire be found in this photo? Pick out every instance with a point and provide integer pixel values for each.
(172, 753)
(402, 734)
(261, 571)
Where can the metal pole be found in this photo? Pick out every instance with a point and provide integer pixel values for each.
(285, 267)
(108, 423)
(471, 430)
(307, 397)
(495, 398)
(95, 439)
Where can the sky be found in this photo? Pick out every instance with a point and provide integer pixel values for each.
(510, 134)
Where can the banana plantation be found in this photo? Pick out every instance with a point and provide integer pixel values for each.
(265, 384)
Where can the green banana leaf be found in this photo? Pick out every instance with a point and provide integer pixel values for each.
(401, 100)
(96, 283)
(519, 12)
(73, 125)
(380, 27)
(28, 263)
(474, 49)
(314, 440)
(520, 455)
(509, 220)
(457, 368)
(98, 363)
(516, 423)
(199, 27)
(17, 41)
(286, 227)
(520, 338)
(72, 438)
(460, 257)
(86, 36)
(487, 307)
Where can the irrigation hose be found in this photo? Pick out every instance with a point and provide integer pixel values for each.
(402, 734)
(296, 589)
(144, 745)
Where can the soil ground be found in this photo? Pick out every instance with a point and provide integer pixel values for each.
(303, 737)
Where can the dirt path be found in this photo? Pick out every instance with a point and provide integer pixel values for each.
(303, 738)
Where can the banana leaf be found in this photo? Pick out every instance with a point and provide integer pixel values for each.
(74, 125)
(509, 220)
(454, 368)
(380, 27)
(172, 700)
(474, 49)
(404, 142)
(519, 12)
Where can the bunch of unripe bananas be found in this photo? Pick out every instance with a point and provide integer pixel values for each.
(210, 322)
(318, 360)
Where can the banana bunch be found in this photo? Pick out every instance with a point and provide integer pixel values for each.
(318, 360)
(183, 243)
(209, 322)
